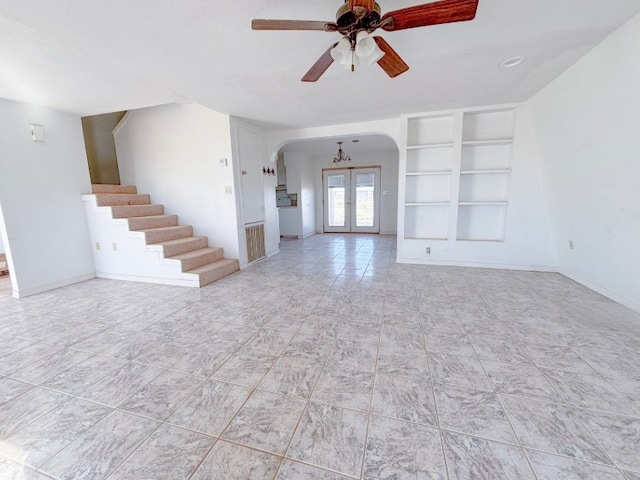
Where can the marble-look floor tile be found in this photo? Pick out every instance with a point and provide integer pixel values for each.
(160, 398)
(557, 358)
(404, 398)
(50, 366)
(472, 457)
(590, 391)
(292, 376)
(10, 344)
(631, 475)
(246, 369)
(553, 467)
(234, 462)
(115, 388)
(361, 332)
(452, 343)
(24, 409)
(270, 341)
(552, 428)
(25, 357)
(102, 448)
(77, 379)
(291, 470)
(618, 435)
(266, 422)
(12, 470)
(456, 370)
(522, 380)
(355, 355)
(206, 359)
(474, 412)
(397, 449)
(330, 437)
(10, 388)
(53, 431)
(308, 346)
(398, 360)
(210, 409)
(170, 452)
(344, 387)
(500, 349)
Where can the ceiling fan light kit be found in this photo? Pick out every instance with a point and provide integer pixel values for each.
(356, 20)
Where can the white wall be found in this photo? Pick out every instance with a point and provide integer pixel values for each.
(388, 163)
(1, 243)
(587, 124)
(173, 152)
(307, 199)
(41, 184)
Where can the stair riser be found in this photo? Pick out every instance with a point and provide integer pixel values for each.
(137, 211)
(208, 257)
(196, 244)
(126, 189)
(153, 222)
(165, 235)
(104, 200)
(217, 274)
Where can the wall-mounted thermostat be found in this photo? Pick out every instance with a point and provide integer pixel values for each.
(37, 132)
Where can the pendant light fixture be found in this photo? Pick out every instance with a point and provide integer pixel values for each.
(341, 157)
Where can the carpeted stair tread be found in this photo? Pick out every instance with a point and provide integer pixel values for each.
(108, 188)
(162, 234)
(171, 248)
(211, 272)
(197, 258)
(152, 221)
(111, 199)
(128, 211)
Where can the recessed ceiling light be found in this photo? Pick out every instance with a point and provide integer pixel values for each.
(512, 62)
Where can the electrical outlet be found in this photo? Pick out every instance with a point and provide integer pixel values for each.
(98, 246)
(571, 246)
(227, 190)
(115, 246)
(428, 250)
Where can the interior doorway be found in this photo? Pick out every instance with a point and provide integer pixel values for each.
(351, 200)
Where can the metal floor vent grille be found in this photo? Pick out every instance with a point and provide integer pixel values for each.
(255, 242)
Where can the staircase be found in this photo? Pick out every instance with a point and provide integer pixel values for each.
(134, 240)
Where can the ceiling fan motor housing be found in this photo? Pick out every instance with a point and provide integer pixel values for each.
(358, 17)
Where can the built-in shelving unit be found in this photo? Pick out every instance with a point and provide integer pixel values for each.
(428, 177)
(457, 174)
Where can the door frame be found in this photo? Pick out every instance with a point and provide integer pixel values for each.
(350, 191)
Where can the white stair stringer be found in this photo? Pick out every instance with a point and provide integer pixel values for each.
(121, 253)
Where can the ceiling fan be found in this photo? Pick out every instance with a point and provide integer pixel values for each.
(357, 19)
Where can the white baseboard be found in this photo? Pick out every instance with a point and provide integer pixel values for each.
(26, 292)
(139, 278)
(621, 299)
(496, 266)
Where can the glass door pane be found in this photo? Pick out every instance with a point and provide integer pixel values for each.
(365, 205)
(336, 201)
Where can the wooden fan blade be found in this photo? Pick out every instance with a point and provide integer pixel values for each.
(261, 24)
(368, 4)
(391, 62)
(321, 66)
(444, 11)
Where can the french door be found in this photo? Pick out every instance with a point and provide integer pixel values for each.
(351, 200)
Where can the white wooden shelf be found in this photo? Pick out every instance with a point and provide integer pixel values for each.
(487, 171)
(495, 141)
(439, 172)
(426, 238)
(430, 145)
(427, 204)
(486, 204)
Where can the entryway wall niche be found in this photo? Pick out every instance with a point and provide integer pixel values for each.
(100, 146)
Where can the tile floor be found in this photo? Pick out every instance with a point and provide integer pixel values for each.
(328, 361)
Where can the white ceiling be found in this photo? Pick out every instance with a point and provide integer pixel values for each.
(328, 147)
(91, 56)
